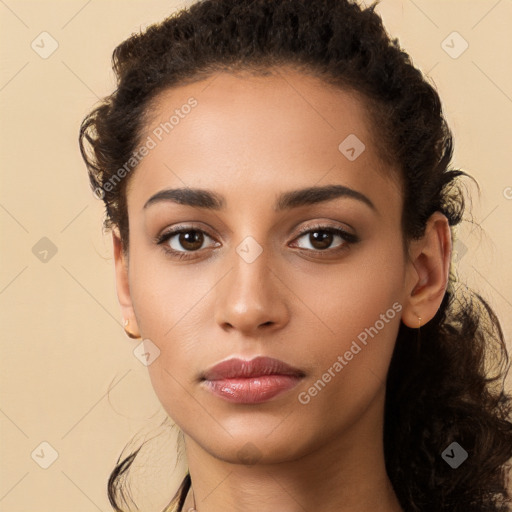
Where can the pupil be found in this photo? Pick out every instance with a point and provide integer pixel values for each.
(324, 239)
(189, 241)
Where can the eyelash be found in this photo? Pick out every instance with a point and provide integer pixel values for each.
(348, 238)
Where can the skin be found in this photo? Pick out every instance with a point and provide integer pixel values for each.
(251, 139)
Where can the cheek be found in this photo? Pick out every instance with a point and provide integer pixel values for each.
(173, 311)
(164, 292)
(343, 300)
(360, 311)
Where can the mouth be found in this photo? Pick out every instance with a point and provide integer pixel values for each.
(250, 382)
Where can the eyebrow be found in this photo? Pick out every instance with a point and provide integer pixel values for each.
(207, 199)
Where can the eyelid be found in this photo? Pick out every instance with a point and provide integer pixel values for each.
(327, 227)
(349, 238)
(182, 228)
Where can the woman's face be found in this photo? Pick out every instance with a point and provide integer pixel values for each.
(252, 284)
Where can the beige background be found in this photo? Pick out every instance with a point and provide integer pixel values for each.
(68, 373)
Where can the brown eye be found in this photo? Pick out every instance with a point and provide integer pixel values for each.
(321, 238)
(191, 240)
(182, 241)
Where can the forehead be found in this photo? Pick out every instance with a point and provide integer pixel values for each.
(260, 134)
(286, 103)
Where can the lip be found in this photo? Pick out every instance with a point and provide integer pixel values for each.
(255, 381)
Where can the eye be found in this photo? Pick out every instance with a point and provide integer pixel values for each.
(321, 237)
(189, 238)
(184, 241)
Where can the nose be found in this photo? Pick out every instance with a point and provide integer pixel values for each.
(252, 298)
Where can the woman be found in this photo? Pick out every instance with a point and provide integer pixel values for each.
(277, 179)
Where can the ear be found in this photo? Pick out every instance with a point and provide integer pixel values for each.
(427, 272)
(122, 285)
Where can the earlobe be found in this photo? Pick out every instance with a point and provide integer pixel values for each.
(428, 273)
(123, 286)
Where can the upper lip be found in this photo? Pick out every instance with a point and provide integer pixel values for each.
(235, 368)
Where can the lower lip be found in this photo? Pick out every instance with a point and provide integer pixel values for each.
(252, 390)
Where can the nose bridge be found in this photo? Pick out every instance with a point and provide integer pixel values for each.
(249, 295)
(252, 254)
(250, 280)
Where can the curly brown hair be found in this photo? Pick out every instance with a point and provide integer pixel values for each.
(448, 384)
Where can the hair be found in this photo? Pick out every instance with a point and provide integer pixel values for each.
(445, 382)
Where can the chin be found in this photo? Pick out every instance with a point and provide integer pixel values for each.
(257, 446)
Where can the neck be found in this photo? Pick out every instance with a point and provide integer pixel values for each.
(342, 472)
